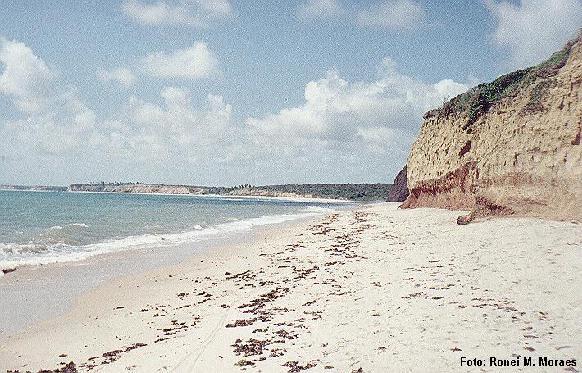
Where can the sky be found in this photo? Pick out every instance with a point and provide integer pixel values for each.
(225, 92)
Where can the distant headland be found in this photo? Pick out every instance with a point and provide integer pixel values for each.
(350, 192)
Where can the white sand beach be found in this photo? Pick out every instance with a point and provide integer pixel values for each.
(375, 289)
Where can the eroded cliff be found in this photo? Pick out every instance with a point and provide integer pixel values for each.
(507, 147)
(130, 188)
(399, 190)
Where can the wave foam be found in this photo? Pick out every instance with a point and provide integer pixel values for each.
(14, 255)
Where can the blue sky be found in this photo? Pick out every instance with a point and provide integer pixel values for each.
(228, 92)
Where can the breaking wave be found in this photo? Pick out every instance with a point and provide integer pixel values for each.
(60, 247)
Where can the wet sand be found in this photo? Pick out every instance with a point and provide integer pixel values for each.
(36, 293)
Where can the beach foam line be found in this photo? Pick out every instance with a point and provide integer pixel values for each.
(15, 255)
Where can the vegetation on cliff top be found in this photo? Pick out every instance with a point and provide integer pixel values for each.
(477, 101)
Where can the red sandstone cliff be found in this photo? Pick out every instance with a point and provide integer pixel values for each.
(507, 147)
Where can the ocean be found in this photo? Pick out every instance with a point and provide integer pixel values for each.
(48, 227)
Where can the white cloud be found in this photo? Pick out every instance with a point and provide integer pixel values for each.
(177, 122)
(356, 131)
(64, 132)
(219, 8)
(381, 116)
(363, 128)
(533, 29)
(120, 75)
(196, 13)
(168, 134)
(54, 119)
(63, 127)
(26, 78)
(312, 9)
(393, 14)
(195, 62)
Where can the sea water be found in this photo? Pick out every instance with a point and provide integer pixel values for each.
(47, 227)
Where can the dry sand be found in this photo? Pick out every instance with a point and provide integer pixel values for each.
(377, 289)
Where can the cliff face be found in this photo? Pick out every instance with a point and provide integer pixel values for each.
(130, 188)
(508, 147)
(399, 190)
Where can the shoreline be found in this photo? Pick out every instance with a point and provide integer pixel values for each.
(373, 287)
(35, 284)
(169, 239)
(298, 199)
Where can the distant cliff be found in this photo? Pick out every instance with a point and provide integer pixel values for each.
(131, 188)
(34, 188)
(399, 190)
(353, 192)
(507, 147)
